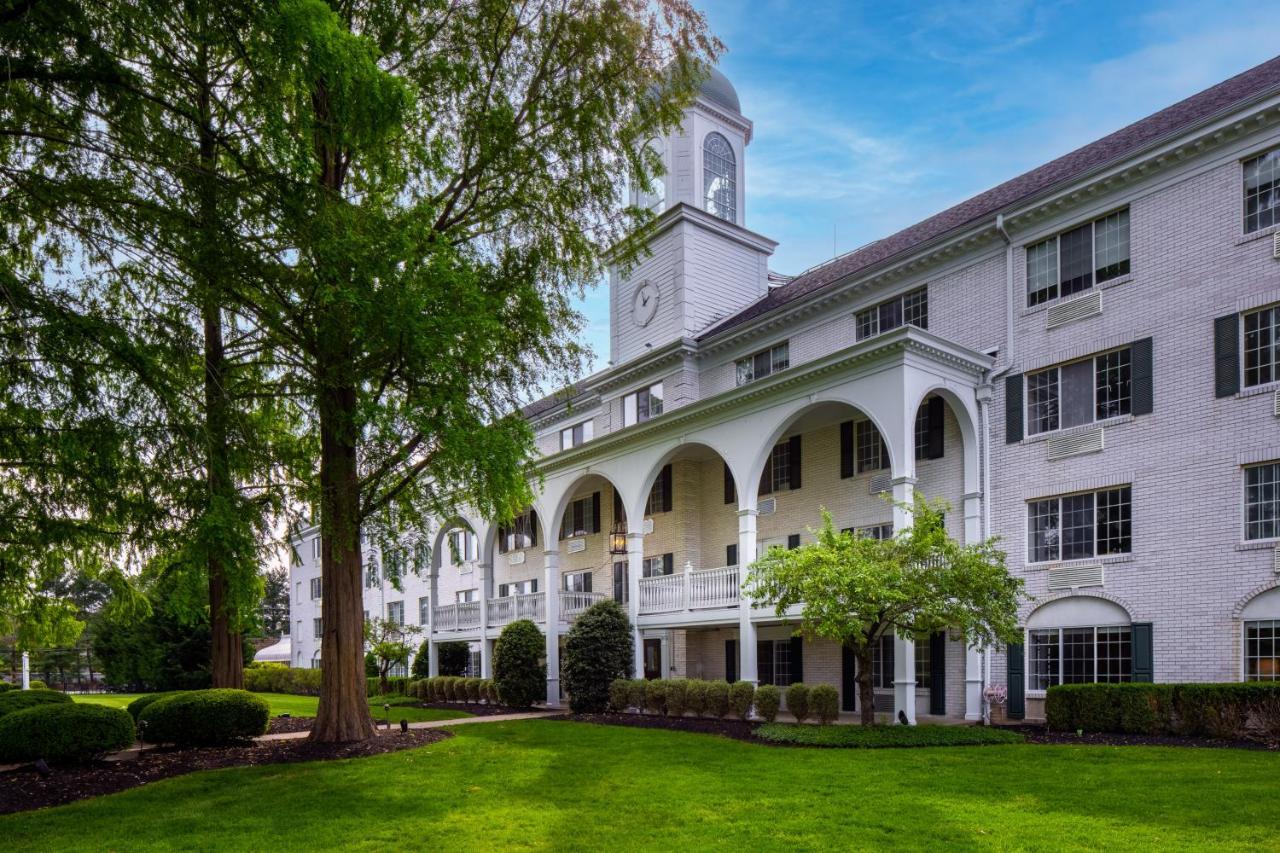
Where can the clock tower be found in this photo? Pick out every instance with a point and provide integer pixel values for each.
(702, 263)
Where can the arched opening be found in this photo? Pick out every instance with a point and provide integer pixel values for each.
(583, 526)
(720, 177)
(1261, 618)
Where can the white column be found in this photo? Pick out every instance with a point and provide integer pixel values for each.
(552, 580)
(486, 662)
(433, 648)
(747, 668)
(904, 648)
(972, 683)
(635, 566)
(972, 518)
(26, 671)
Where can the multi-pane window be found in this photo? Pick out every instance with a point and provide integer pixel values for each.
(873, 453)
(882, 663)
(577, 582)
(1079, 527)
(909, 309)
(371, 575)
(875, 531)
(1262, 501)
(1076, 260)
(1262, 650)
(763, 363)
(317, 588)
(465, 596)
(922, 432)
(1078, 656)
(395, 612)
(663, 564)
(1262, 346)
(424, 610)
(577, 434)
(522, 533)
(315, 548)
(524, 587)
(922, 661)
(1262, 191)
(773, 662)
(1080, 392)
(782, 468)
(463, 546)
(719, 177)
(317, 628)
(660, 494)
(581, 517)
(640, 406)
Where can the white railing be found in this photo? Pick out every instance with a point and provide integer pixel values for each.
(445, 617)
(573, 603)
(510, 608)
(690, 590)
(713, 587)
(662, 593)
(468, 615)
(457, 617)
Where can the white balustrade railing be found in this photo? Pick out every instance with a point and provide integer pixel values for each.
(464, 616)
(510, 608)
(714, 587)
(573, 603)
(468, 615)
(445, 617)
(662, 593)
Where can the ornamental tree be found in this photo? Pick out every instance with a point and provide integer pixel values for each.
(388, 643)
(519, 665)
(854, 589)
(597, 650)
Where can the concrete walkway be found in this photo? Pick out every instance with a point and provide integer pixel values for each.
(433, 724)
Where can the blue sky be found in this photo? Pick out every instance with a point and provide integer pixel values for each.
(871, 116)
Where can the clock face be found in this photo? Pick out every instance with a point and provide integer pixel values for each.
(645, 303)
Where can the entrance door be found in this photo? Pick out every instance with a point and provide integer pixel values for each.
(653, 658)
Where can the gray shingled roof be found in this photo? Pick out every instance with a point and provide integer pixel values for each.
(1124, 142)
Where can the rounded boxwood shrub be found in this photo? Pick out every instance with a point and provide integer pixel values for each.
(20, 700)
(597, 650)
(695, 697)
(824, 703)
(422, 661)
(635, 693)
(677, 697)
(5, 686)
(655, 696)
(798, 701)
(37, 684)
(137, 706)
(205, 718)
(519, 668)
(741, 696)
(619, 695)
(64, 733)
(717, 698)
(472, 688)
(768, 700)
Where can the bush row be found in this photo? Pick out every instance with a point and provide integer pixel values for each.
(36, 684)
(20, 700)
(63, 732)
(872, 737)
(454, 688)
(278, 678)
(1228, 710)
(395, 684)
(719, 699)
(204, 717)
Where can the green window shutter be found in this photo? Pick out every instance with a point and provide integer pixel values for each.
(533, 528)
(1226, 355)
(595, 512)
(1140, 390)
(731, 661)
(793, 461)
(1013, 408)
(848, 679)
(1143, 659)
(730, 490)
(793, 541)
(936, 415)
(846, 449)
(666, 488)
(938, 673)
(797, 659)
(1016, 680)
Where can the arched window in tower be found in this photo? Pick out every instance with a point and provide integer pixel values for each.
(719, 177)
(654, 199)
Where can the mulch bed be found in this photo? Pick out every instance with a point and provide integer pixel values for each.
(1041, 735)
(280, 725)
(25, 788)
(736, 729)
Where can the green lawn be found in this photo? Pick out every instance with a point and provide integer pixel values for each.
(297, 706)
(552, 785)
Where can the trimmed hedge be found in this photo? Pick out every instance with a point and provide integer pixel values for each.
(597, 650)
(874, 737)
(37, 684)
(6, 686)
(1231, 710)
(717, 698)
(205, 718)
(64, 733)
(768, 701)
(278, 678)
(798, 701)
(20, 700)
(395, 684)
(824, 703)
(677, 697)
(742, 695)
(655, 696)
(137, 706)
(449, 688)
(519, 668)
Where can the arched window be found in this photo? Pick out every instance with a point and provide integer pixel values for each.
(656, 198)
(1262, 637)
(719, 177)
(315, 659)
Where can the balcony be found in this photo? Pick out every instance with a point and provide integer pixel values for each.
(692, 589)
(503, 611)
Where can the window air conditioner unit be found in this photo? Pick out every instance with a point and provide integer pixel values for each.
(768, 506)
(1275, 245)
(879, 483)
(1075, 443)
(1275, 403)
(1071, 577)
(1275, 560)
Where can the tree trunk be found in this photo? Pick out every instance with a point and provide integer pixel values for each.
(228, 644)
(866, 690)
(343, 714)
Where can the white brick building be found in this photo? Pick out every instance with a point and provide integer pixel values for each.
(1084, 361)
